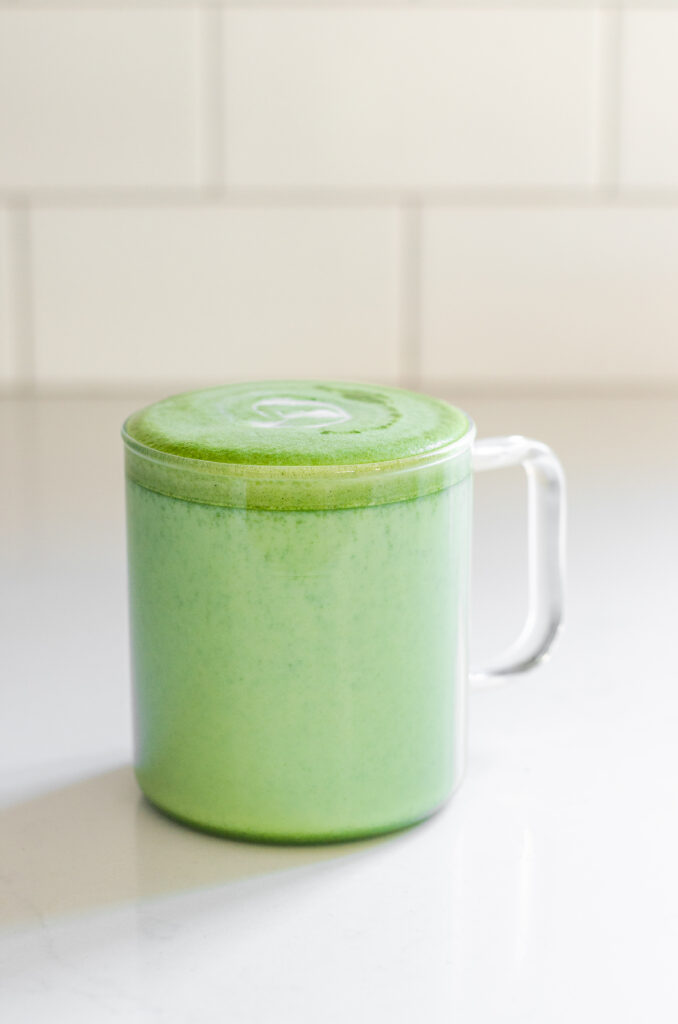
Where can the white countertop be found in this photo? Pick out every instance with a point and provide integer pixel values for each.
(546, 891)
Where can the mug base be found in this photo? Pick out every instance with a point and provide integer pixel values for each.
(298, 838)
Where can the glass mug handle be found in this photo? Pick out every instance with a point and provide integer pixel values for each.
(546, 550)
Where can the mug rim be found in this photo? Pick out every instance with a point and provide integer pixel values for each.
(298, 487)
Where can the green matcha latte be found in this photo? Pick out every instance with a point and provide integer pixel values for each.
(298, 563)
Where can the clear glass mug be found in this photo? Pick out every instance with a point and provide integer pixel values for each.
(299, 632)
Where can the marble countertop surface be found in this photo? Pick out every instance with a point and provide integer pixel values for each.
(545, 892)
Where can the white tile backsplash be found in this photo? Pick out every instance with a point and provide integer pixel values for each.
(524, 296)
(649, 97)
(8, 349)
(410, 99)
(99, 99)
(201, 295)
(476, 190)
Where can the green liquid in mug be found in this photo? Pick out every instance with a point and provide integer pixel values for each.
(299, 674)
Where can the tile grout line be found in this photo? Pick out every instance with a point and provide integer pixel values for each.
(495, 388)
(584, 197)
(609, 156)
(21, 292)
(211, 142)
(487, 6)
(410, 295)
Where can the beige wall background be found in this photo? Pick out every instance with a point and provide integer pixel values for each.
(435, 194)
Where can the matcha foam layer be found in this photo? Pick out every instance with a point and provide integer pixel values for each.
(294, 444)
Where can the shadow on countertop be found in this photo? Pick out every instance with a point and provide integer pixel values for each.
(97, 842)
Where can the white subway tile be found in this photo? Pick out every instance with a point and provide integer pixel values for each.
(99, 98)
(8, 352)
(649, 99)
(410, 98)
(197, 295)
(579, 295)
